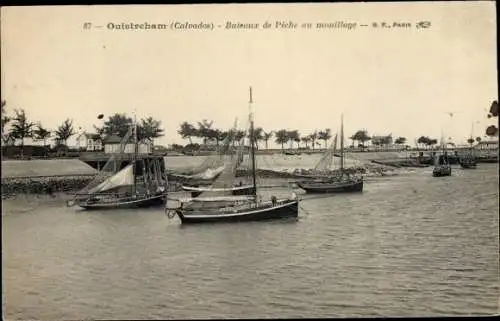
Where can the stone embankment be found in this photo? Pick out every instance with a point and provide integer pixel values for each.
(13, 186)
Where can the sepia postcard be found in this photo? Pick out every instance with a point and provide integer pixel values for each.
(216, 161)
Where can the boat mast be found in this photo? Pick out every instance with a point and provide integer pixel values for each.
(342, 143)
(472, 137)
(252, 150)
(134, 160)
(443, 146)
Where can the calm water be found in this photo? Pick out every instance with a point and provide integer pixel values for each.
(409, 245)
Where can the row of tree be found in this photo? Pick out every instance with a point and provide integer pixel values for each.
(21, 128)
(205, 132)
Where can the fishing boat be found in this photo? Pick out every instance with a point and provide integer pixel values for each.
(225, 182)
(468, 160)
(322, 168)
(442, 165)
(126, 181)
(342, 182)
(238, 208)
(235, 190)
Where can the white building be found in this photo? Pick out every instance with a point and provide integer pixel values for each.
(112, 145)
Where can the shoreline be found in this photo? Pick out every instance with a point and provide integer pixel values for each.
(51, 185)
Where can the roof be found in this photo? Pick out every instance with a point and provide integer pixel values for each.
(92, 136)
(381, 136)
(115, 139)
(488, 142)
(112, 139)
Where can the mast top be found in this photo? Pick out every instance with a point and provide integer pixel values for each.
(251, 101)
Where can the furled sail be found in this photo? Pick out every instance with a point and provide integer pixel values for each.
(125, 177)
(225, 182)
(326, 161)
(214, 164)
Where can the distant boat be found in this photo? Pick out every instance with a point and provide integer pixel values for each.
(341, 183)
(469, 161)
(142, 183)
(239, 208)
(442, 165)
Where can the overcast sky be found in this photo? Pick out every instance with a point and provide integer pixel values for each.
(402, 81)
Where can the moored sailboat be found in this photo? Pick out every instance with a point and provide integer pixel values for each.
(442, 165)
(225, 183)
(468, 161)
(240, 208)
(342, 183)
(141, 182)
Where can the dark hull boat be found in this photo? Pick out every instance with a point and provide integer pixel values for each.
(253, 212)
(336, 181)
(332, 186)
(442, 170)
(247, 208)
(468, 164)
(442, 165)
(237, 190)
(121, 203)
(142, 182)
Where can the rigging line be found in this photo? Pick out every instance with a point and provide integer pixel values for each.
(304, 210)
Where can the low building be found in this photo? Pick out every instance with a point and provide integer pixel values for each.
(94, 143)
(113, 145)
(487, 145)
(487, 148)
(382, 140)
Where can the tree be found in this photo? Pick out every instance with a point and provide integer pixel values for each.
(187, 131)
(100, 132)
(306, 140)
(214, 135)
(314, 137)
(42, 134)
(257, 136)
(423, 140)
(492, 130)
(65, 131)
(471, 141)
(294, 136)
(432, 142)
(239, 135)
(5, 120)
(361, 136)
(222, 135)
(117, 124)
(151, 128)
(267, 136)
(478, 139)
(324, 135)
(493, 109)
(281, 137)
(204, 128)
(400, 141)
(21, 128)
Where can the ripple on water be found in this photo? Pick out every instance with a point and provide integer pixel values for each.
(408, 246)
